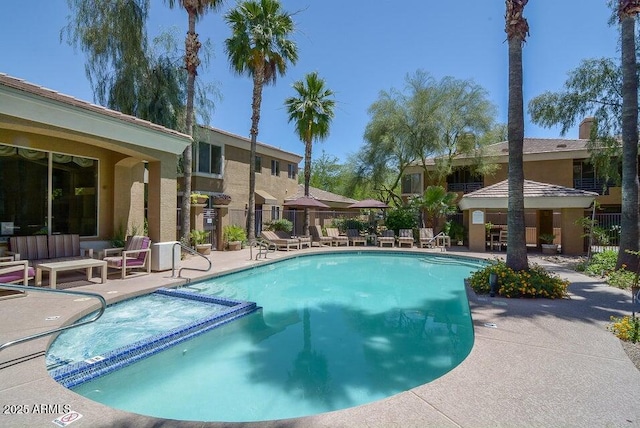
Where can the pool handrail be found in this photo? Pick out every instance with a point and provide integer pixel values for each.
(190, 251)
(263, 246)
(103, 306)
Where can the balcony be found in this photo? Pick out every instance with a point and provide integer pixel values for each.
(465, 187)
(600, 186)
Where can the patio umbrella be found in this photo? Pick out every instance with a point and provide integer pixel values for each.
(305, 202)
(369, 203)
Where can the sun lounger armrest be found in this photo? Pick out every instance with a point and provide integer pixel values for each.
(135, 253)
(112, 251)
(15, 256)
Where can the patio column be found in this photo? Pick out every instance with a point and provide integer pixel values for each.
(477, 231)
(571, 240)
(128, 196)
(163, 197)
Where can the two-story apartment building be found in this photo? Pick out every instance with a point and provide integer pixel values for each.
(557, 162)
(221, 166)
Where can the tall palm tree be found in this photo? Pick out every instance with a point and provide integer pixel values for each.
(259, 46)
(312, 111)
(195, 9)
(627, 11)
(517, 30)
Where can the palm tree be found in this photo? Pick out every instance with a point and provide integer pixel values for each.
(436, 203)
(517, 30)
(627, 10)
(260, 47)
(195, 9)
(312, 111)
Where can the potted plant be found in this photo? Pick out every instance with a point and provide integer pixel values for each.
(198, 198)
(199, 239)
(221, 199)
(233, 236)
(546, 242)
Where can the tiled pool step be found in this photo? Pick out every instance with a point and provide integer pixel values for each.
(74, 374)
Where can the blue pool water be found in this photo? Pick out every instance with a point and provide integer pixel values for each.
(335, 331)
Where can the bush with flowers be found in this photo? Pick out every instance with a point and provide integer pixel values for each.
(626, 328)
(536, 282)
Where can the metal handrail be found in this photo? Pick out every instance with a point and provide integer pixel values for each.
(103, 306)
(264, 248)
(190, 251)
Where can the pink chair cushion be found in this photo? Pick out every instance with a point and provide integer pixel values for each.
(16, 276)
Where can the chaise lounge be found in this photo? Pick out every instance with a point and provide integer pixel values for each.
(280, 243)
(317, 236)
(337, 239)
(388, 237)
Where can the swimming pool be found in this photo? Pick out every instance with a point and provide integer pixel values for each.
(336, 331)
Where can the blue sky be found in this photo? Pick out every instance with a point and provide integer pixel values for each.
(360, 47)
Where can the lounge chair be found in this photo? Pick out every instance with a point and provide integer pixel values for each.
(355, 238)
(502, 240)
(317, 236)
(303, 241)
(405, 237)
(15, 271)
(336, 237)
(426, 238)
(388, 237)
(136, 254)
(280, 243)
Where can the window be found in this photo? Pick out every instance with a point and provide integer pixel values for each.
(411, 183)
(291, 171)
(275, 213)
(27, 206)
(209, 159)
(275, 167)
(258, 164)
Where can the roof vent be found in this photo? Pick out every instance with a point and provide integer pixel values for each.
(561, 145)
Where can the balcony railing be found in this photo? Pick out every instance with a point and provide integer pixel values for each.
(465, 187)
(601, 187)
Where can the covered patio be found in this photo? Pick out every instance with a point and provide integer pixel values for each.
(69, 166)
(544, 198)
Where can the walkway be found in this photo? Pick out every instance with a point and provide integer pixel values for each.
(545, 363)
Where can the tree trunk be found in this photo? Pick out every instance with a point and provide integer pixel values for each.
(307, 180)
(187, 154)
(258, 81)
(629, 222)
(516, 239)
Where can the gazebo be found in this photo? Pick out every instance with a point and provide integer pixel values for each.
(542, 197)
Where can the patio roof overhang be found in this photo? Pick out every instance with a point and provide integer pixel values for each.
(536, 196)
(24, 104)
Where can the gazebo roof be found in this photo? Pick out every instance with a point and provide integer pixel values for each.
(536, 195)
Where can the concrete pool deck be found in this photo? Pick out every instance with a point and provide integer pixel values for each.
(545, 363)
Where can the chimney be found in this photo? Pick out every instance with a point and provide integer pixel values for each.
(584, 132)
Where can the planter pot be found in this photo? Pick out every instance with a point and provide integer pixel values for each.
(550, 249)
(235, 245)
(199, 201)
(204, 249)
(215, 201)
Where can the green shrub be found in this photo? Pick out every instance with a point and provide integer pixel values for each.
(626, 328)
(621, 278)
(536, 282)
(232, 233)
(401, 218)
(280, 224)
(602, 263)
(348, 223)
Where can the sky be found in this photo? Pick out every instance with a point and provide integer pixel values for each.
(359, 47)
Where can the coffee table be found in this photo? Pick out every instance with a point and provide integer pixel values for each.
(54, 267)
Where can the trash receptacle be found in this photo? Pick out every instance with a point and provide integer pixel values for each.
(163, 256)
